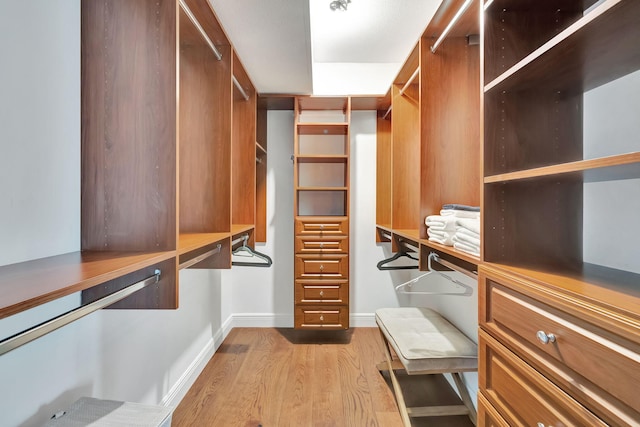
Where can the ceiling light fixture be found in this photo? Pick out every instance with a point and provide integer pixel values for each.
(339, 4)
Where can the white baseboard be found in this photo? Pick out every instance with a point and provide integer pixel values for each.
(271, 320)
(190, 375)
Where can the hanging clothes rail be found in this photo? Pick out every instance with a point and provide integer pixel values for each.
(201, 257)
(387, 113)
(51, 325)
(411, 79)
(466, 290)
(240, 88)
(455, 18)
(203, 33)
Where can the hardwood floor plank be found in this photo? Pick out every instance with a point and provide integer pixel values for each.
(283, 377)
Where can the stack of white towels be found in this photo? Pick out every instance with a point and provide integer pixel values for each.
(457, 226)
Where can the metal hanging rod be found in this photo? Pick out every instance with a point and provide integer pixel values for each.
(51, 325)
(258, 160)
(203, 33)
(201, 257)
(387, 113)
(455, 18)
(242, 238)
(240, 88)
(452, 266)
(411, 79)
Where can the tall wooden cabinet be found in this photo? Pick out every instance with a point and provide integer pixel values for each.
(560, 330)
(321, 204)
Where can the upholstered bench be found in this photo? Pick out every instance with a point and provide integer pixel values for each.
(426, 343)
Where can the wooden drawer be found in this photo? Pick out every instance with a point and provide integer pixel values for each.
(324, 226)
(521, 395)
(323, 292)
(321, 317)
(595, 366)
(322, 244)
(333, 267)
(488, 416)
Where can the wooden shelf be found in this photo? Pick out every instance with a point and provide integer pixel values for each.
(604, 287)
(409, 234)
(322, 159)
(319, 103)
(601, 169)
(240, 228)
(598, 48)
(192, 241)
(451, 251)
(29, 284)
(322, 128)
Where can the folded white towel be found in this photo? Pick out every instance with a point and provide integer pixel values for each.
(441, 223)
(467, 238)
(459, 214)
(467, 232)
(470, 249)
(469, 224)
(442, 237)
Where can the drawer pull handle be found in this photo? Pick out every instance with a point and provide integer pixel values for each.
(321, 267)
(321, 318)
(321, 245)
(321, 293)
(321, 226)
(545, 338)
(540, 425)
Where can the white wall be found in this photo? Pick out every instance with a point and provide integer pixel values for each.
(142, 356)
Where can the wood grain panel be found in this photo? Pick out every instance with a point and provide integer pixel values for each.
(534, 223)
(207, 18)
(384, 155)
(128, 125)
(243, 194)
(405, 169)
(205, 137)
(450, 129)
(261, 175)
(523, 396)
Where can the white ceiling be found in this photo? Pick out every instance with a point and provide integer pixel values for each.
(303, 47)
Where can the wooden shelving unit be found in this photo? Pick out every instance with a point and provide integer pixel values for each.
(541, 170)
(429, 136)
(321, 203)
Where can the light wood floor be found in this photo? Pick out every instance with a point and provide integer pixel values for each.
(283, 377)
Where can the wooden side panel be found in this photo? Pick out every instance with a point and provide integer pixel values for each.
(128, 125)
(450, 130)
(243, 196)
(205, 137)
(405, 169)
(383, 171)
(261, 176)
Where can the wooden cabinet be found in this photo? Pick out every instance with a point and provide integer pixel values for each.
(321, 204)
(553, 301)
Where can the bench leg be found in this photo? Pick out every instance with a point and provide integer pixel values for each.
(464, 394)
(402, 407)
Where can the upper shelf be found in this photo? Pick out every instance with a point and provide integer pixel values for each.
(29, 284)
(599, 47)
(601, 169)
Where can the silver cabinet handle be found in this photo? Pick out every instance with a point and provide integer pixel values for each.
(321, 245)
(321, 267)
(321, 318)
(321, 293)
(545, 338)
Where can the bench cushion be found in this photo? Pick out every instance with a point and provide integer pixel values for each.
(425, 341)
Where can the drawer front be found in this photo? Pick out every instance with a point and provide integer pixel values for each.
(521, 395)
(323, 226)
(487, 414)
(323, 292)
(322, 244)
(321, 317)
(333, 267)
(591, 364)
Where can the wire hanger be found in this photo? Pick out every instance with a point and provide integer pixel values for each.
(466, 289)
(401, 253)
(246, 252)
